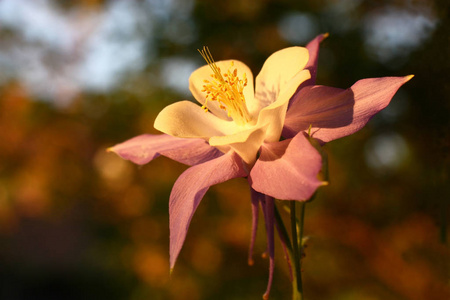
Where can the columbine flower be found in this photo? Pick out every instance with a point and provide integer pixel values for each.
(238, 117)
(236, 133)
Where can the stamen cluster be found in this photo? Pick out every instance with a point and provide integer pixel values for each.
(227, 89)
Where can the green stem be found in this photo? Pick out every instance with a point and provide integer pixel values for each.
(283, 232)
(297, 282)
(302, 219)
(302, 222)
(297, 287)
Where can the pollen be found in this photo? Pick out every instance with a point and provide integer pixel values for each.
(227, 89)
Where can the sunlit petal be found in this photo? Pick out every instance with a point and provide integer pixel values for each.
(190, 188)
(275, 113)
(246, 143)
(144, 148)
(188, 120)
(335, 113)
(276, 72)
(287, 170)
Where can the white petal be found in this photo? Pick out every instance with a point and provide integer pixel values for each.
(275, 113)
(246, 143)
(188, 120)
(198, 76)
(276, 72)
(281, 75)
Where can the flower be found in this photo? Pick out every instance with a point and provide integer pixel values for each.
(237, 117)
(236, 133)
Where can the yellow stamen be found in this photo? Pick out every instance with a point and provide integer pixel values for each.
(227, 89)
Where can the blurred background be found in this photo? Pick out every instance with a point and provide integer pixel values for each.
(76, 222)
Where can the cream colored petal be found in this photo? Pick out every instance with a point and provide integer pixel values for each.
(270, 123)
(188, 120)
(246, 143)
(196, 82)
(275, 113)
(276, 72)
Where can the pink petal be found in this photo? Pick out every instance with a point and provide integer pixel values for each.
(268, 206)
(311, 66)
(256, 198)
(146, 147)
(335, 113)
(190, 188)
(287, 170)
(313, 48)
(270, 218)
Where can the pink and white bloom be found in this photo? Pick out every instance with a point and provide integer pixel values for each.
(238, 117)
(237, 129)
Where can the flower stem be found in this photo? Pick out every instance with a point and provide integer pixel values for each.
(297, 282)
(302, 219)
(295, 249)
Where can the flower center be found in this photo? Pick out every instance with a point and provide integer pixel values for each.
(227, 89)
